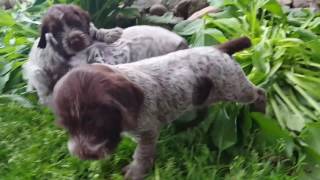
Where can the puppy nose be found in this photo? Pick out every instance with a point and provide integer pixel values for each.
(87, 155)
(74, 40)
(77, 40)
(85, 151)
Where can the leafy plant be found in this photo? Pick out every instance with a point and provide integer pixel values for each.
(18, 30)
(109, 14)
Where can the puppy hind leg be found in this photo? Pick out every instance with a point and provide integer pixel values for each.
(255, 96)
(260, 103)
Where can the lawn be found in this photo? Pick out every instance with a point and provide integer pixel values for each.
(232, 142)
(32, 147)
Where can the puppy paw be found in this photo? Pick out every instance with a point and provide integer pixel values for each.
(134, 171)
(111, 35)
(261, 102)
(106, 35)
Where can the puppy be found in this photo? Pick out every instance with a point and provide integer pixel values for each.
(65, 31)
(136, 43)
(71, 31)
(96, 103)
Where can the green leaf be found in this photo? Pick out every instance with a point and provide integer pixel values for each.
(293, 121)
(270, 127)
(5, 98)
(305, 34)
(221, 3)
(260, 56)
(310, 136)
(3, 81)
(167, 18)
(274, 7)
(37, 2)
(273, 132)
(216, 34)
(130, 13)
(4, 69)
(199, 39)
(228, 25)
(6, 19)
(224, 132)
(186, 28)
(246, 126)
(315, 48)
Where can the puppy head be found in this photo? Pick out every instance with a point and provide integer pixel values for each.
(95, 104)
(69, 25)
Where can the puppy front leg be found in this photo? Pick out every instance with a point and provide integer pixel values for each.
(143, 157)
(105, 35)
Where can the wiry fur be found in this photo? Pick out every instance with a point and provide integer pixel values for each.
(50, 58)
(136, 43)
(147, 94)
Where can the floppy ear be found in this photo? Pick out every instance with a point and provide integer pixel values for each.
(131, 98)
(127, 96)
(43, 42)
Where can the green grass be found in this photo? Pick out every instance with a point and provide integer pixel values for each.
(32, 147)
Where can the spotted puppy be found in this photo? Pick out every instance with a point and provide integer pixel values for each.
(65, 32)
(136, 43)
(96, 103)
(71, 30)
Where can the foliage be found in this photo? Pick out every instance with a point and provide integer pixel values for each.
(18, 30)
(284, 60)
(109, 13)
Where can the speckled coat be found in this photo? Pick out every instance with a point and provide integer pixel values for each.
(136, 43)
(178, 82)
(45, 66)
(184, 80)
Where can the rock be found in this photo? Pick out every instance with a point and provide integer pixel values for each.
(158, 10)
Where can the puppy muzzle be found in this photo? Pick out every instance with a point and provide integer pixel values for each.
(76, 41)
(86, 151)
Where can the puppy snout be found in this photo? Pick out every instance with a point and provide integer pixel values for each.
(86, 151)
(78, 40)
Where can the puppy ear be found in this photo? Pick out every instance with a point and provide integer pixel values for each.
(128, 96)
(131, 99)
(43, 42)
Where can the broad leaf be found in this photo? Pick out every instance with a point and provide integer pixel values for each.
(186, 28)
(6, 19)
(5, 98)
(274, 7)
(273, 132)
(224, 132)
(310, 136)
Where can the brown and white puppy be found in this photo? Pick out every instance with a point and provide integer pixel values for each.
(65, 33)
(136, 43)
(70, 28)
(96, 103)
(65, 30)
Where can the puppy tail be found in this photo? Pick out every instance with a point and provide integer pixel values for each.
(235, 45)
